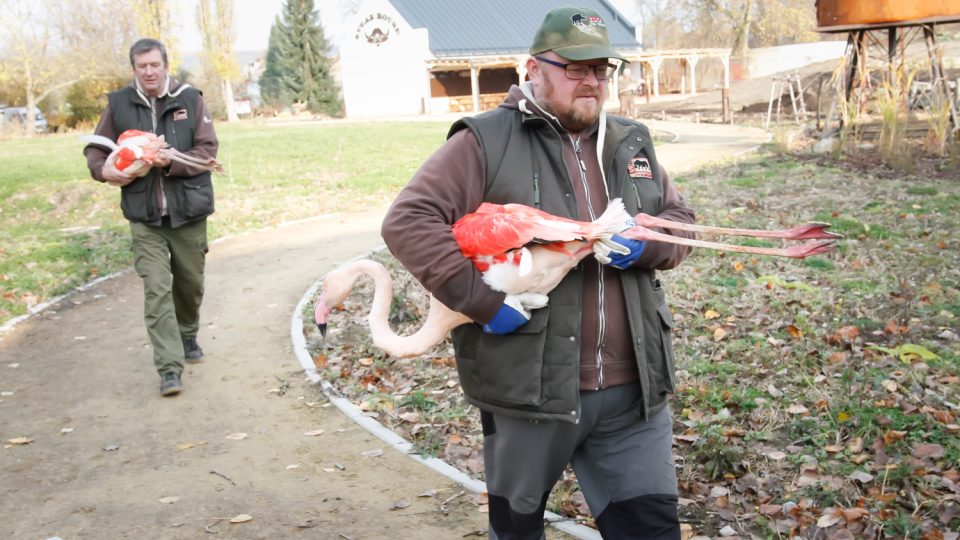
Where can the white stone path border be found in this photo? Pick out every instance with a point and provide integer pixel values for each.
(395, 441)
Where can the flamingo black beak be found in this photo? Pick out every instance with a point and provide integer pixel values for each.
(320, 313)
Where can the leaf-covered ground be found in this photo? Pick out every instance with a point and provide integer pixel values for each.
(817, 398)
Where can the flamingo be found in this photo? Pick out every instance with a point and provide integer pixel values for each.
(525, 252)
(136, 151)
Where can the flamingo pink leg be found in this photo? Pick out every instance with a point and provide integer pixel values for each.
(807, 231)
(799, 251)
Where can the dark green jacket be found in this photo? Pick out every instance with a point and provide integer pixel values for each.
(533, 372)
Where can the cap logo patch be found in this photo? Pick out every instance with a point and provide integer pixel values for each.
(587, 25)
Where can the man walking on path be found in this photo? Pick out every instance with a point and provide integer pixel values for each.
(168, 207)
(584, 380)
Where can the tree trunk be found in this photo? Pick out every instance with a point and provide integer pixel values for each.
(742, 44)
(28, 123)
(229, 102)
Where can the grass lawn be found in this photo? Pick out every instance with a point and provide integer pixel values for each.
(60, 229)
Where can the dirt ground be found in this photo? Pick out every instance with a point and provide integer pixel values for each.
(91, 450)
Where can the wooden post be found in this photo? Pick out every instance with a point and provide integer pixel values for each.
(725, 105)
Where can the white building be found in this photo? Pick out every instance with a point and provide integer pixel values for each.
(407, 57)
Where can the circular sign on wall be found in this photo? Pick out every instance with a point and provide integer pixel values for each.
(376, 29)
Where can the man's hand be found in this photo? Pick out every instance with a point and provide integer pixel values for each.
(163, 159)
(509, 317)
(622, 258)
(114, 176)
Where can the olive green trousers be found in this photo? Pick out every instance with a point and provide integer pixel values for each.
(170, 262)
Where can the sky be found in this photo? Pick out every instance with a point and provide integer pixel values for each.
(254, 20)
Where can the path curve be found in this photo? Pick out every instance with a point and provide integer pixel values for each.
(108, 457)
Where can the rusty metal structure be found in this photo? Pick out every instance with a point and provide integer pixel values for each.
(878, 32)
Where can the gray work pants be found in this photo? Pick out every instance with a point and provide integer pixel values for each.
(624, 466)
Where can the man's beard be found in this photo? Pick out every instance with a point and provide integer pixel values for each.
(573, 119)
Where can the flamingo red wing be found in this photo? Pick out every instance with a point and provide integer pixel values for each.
(494, 229)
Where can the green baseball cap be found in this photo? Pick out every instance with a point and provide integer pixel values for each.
(575, 34)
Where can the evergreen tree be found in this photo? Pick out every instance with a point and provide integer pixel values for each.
(297, 67)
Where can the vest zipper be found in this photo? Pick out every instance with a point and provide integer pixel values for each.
(601, 320)
(536, 190)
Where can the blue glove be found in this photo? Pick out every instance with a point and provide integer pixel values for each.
(509, 317)
(623, 261)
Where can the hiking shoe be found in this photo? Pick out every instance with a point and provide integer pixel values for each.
(192, 352)
(170, 384)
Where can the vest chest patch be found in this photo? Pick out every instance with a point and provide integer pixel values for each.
(639, 167)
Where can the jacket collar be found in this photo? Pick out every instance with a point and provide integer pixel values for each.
(171, 88)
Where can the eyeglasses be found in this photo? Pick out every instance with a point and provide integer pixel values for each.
(579, 71)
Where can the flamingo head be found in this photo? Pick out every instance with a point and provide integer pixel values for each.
(321, 311)
(336, 287)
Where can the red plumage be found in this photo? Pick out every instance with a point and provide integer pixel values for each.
(494, 229)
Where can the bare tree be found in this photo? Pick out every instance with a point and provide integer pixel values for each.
(155, 19)
(218, 35)
(48, 46)
(662, 24)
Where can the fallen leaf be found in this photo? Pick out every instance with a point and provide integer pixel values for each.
(773, 391)
(241, 518)
(236, 436)
(829, 519)
(776, 455)
(428, 493)
(365, 361)
(399, 505)
(934, 451)
(719, 334)
(314, 433)
(169, 500)
(293, 466)
(855, 514)
(797, 408)
(891, 386)
(20, 440)
(410, 417)
(185, 446)
(372, 453)
(794, 331)
(860, 476)
(890, 436)
(320, 361)
(859, 458)
(711, 314)
(771, 510)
